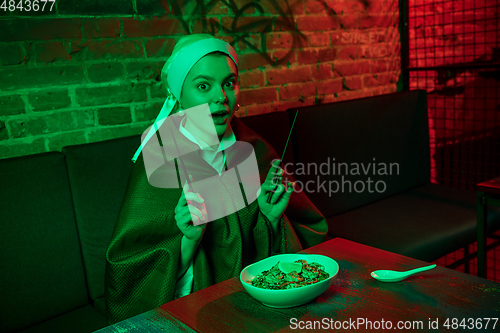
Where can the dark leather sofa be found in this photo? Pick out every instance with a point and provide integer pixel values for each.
(58, 210)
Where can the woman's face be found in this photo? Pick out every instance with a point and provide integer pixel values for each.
(212, 80)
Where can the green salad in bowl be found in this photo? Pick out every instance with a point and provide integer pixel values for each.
(288, 275)
(289, 280)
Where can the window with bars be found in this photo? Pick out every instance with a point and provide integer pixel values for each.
(452, 51)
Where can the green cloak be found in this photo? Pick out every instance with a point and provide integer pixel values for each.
(143, 255)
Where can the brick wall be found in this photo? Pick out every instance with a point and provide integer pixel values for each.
(89, 70)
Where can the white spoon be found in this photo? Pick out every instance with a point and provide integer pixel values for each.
(395, 276)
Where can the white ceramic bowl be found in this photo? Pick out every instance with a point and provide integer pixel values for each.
(288, 298)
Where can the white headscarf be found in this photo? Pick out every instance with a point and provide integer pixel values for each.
(187, 52)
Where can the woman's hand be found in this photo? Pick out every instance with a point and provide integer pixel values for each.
(191, 214)
(280, 194)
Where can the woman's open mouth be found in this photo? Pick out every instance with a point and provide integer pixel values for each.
(220, 117)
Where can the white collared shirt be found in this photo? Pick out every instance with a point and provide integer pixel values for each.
(217, 159)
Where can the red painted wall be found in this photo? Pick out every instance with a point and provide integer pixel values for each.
(458, 43)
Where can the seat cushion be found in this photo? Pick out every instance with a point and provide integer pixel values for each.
(100, 305)
(352, 153)
(273, 128)
(98, 174)
(41, 270)
(425, 223)
(82, 320)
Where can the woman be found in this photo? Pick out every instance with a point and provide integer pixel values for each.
(162, 247)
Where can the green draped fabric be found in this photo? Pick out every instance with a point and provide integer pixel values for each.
(143, 255)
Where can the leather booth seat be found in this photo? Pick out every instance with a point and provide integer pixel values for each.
(383, 140)
(58, 209)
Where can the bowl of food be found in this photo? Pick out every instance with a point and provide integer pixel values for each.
(288, 280)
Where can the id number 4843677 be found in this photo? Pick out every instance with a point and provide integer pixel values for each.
(471, 323)
(27, 5)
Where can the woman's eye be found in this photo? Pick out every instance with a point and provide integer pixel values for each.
(230, 84)
(203, 86)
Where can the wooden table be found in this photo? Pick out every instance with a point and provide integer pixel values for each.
(488, 194)
(432, 298)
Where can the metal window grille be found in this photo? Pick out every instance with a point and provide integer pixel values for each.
(452, 51)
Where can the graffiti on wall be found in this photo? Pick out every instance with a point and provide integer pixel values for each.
(191, 12)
